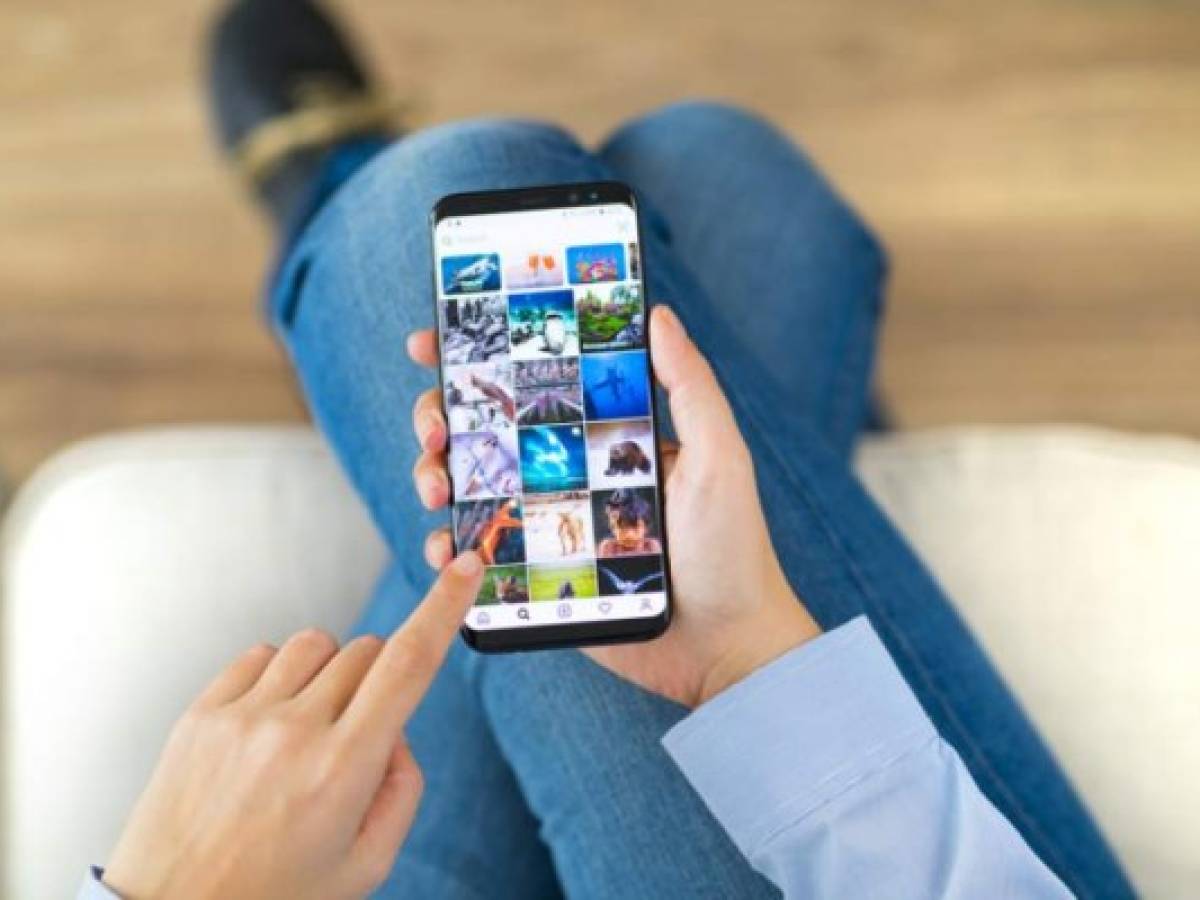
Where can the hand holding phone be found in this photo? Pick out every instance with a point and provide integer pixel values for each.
(734, 610)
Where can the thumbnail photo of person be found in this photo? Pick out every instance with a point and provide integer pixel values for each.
(474, 329)
(503, 584)
(537, 268)
(616, 385)
(597, 262)
(553, 458)
(548, 391)
(610, 317)
(558, 527)
(542, 325)
(626, 522)
(492, 528)
(484, 464)
(620, 454)
(567, 582)
(479, 397)
(478, 273)
(630, 575)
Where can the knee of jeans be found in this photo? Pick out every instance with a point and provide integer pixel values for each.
(406, 180)
(714, 116)
(687, 124)
(378, 222)
(477, 154)
(745, 135)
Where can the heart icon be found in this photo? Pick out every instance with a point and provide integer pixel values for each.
(605, 607)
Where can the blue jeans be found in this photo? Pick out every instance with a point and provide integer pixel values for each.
(544, 772)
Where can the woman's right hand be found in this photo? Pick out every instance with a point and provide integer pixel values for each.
(290, 775)
(734, 610)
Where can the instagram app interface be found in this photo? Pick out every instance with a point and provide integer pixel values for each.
(545, 375)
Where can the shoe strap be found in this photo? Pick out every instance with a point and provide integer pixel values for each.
(320, 123)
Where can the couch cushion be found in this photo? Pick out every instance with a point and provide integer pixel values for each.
(134, 566)
(1073, 555)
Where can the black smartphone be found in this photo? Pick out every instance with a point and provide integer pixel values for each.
(555, 474)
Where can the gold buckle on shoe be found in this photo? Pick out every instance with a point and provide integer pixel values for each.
(324, 119)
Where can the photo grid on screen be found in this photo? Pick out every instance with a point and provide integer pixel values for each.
(548, 400)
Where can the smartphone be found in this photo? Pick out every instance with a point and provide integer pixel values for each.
(555, 474)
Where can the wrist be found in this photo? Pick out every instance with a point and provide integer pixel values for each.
(145, 877)
(779, 626)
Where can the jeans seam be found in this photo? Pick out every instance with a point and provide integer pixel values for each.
(864, 316)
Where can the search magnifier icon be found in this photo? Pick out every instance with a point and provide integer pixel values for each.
(523, 613)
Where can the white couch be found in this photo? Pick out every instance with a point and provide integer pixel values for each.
(133, 566)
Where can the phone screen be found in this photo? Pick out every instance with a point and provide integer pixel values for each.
(548, 397)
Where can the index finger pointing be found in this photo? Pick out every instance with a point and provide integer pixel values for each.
(410, 659)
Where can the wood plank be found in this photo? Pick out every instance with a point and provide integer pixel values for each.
(1031, 167)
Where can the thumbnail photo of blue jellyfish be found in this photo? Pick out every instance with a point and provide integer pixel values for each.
(616, 385)
(472, 274)
(553, 458)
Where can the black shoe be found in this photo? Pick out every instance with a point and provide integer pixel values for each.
(285, 88)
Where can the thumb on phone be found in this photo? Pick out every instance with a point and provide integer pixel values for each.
(699, 410)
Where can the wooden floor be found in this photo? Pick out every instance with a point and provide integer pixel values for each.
(1034, 168)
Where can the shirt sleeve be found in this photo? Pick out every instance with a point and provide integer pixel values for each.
(95, 889)
(831, 780)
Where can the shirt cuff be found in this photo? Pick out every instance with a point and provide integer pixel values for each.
(798, 732)
(93, 888)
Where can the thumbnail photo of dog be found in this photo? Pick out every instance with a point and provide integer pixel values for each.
(558, 527)
(620, 454)
(474, 329)
(626, 522)
(493, 528)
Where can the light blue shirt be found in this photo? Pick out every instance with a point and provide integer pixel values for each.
(830, 779)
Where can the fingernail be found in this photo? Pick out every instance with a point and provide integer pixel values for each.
(668, 317)
(467, 563)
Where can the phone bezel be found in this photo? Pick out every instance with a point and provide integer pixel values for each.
(544, 637)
